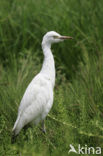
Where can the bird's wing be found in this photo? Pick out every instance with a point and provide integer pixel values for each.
(36, 95)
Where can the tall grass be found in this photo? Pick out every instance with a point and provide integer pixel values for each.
(76, 116)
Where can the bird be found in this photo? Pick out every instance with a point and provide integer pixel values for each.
(37, 100)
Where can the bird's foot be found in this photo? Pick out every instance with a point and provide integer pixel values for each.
(44, 131)
(13, 139)
(43, 127)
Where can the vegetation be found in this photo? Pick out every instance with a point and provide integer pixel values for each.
(77, 114)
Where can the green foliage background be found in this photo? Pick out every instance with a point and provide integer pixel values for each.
(77, 114)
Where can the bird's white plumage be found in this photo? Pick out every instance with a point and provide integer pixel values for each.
(38, 97)
(36, 102)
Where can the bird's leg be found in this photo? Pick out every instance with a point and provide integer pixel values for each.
(43, 127)
(13, 138)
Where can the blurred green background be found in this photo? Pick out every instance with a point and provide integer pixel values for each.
(77, 114)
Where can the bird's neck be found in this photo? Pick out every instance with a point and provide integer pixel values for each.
(48, 68)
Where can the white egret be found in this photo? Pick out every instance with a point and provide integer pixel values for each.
(38, 97)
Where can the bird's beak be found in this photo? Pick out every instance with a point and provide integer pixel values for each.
(65, 37)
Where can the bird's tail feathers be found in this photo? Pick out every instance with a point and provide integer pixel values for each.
(14, 132)
(17, 127)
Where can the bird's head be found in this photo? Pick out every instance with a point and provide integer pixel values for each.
(53, 37)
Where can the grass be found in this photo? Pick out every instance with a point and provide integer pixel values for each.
(77, 113)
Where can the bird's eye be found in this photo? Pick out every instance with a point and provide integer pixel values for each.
(55, 37)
